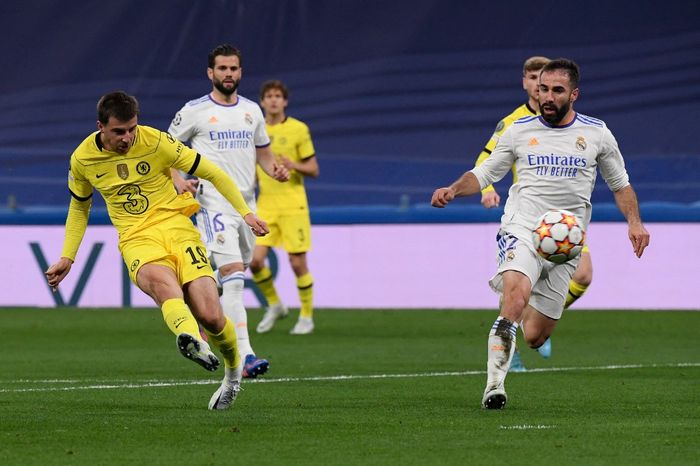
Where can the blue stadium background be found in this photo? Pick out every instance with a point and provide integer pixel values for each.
(400, 96)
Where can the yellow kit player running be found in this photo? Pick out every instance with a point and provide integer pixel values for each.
(489, 197)
(286, 208)
(129, 165)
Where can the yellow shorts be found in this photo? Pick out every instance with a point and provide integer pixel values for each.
(175, 243)
(292, 231)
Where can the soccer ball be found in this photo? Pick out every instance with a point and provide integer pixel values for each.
(558, 237)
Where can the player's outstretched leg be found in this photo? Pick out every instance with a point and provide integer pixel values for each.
(501, 346)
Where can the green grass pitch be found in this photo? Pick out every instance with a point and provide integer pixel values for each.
(103, 387)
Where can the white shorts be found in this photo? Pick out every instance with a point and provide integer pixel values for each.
(227, 235)
(549, 282)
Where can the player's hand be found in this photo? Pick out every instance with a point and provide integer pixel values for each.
(57, 272)
(186, 186)
(258, 226)
(490, 199)
(442, 197)
(639, 237)
(280, 170)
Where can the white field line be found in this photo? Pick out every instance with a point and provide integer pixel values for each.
(121, 384)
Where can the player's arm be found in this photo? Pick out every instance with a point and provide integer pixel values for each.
(626, 200)
(208, 170)
(266, 159)
(76, 224)
(307, 167)
(493, 169)
(182, 184)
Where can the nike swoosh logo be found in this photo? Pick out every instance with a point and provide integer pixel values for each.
(201, 266)
(100, 175)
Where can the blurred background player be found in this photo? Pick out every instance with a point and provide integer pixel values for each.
(489, 196)
(286, 208)
(229, 130)
(129, 165)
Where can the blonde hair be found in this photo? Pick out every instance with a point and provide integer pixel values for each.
(534, 64)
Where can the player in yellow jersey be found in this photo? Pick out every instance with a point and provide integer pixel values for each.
(489, 197)
(130, 165)
(286, 208)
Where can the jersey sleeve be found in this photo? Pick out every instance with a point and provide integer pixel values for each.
(183, 125)
(78, 184)
(306, 146)
(498, 163)
(610, 162)
(260, 137)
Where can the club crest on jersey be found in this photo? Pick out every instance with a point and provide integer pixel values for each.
(220, 239)
(581, 143)
(143, 168)
(171, 139)
(510, 255)
(123, 171)
(249, 118)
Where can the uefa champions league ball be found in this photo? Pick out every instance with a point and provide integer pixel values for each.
(558, 236)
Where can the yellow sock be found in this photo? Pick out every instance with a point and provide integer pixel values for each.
(264, 281)
(178, 318)
(227, 343)
(576, 290)
(305, 284)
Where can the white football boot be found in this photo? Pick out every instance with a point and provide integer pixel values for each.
(272, 313)
(225, 395)
(197, 350)
(304, 326)
(494, 398)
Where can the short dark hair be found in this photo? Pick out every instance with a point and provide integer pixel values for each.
(117, 104)
(274, 84)
(567, 66)
(226, 50)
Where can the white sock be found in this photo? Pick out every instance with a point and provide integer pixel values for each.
(500, 351)
(232, 302)
(235, 374)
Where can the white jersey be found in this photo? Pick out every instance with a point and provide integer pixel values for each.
(556, 168)
(227, 135)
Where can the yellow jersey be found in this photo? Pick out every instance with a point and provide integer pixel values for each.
(292, 139)
(137, 186)
(522, 111)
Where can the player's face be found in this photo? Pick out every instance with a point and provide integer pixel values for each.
(531, 82)
(273, 102)
(556, 96)
(118, 136)
(226, 74)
